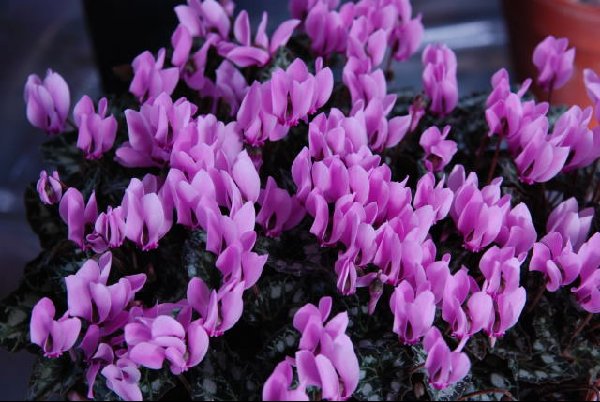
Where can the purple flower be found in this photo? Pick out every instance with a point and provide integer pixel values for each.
(123, 379)
(501, 270)
(572, 224)
(443, 366)
(150, 78)
(509, 306)
(77, 215)
(413, 312)
(109, 230)
(97, 132)
(153, 130)
(180, 342)
(206, 17)
(327, 28)
(437, 196)
(554, 62)
(259, 52)
(363, 83)
(518, 231)
(300, 8)
(278, 386)
(47, 102)
(49, 188)
(592, 85)
(481, 313)
(221, 310)
(439, 78)
(92, 299)
(54, 337)
(279, 211)
(438, 150)
(231, 85)
(240, 266)
(572, 130)
(146, 216)
(406, 38)
(588, 291)
(182, 45)
(555, 258)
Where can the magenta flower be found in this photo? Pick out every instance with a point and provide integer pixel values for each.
(77, 215)
(363, 83)
(205, 17)
(413, 312)
(335, 368)
(365, 43)
(246, 177)
(501, 270)
(456, 290)
(92, 299)
(518, 231)
(146, 216)
(154, 341)
(49, 188)
(219, 310)
(509, 306)
(260, 51)
(554, 62)
(572, 224)
(438, 150)
(278, 386)
(439, 78)
(150, 78)
(588, 291)
(123, 379)
(231, 85)
(182, 45)
(48, 102)
(109, 230)
(554, 257)
(572, 130)
(153, 130)
(481, 313)
(328, 28)
(97, 132)
(300, 8)
(279, 211)
(437, 196)
(407, 37)
(54, 337)
(443, 366)
(238, 228)
(592, 85)
(240, 266)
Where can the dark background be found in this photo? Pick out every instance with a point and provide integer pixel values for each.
(40, 34)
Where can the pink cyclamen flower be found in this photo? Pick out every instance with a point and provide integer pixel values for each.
(49, 188)
(48, 102)
(54, 337)
(554, 257)
(231, 85)
(588, 291)
(97, 132)
(258, 52)
(206, 17)
(572, 130)
(327, 28)
(509, 306)
(146, 216)
(92, 299)
(123, 379)
(407, 37)
(109, 230)
(150, 79)
(279, 211)
(573, 224)
(182, 45)
(300, 8)
(501, 270)
(78, 215)
(278, 386)
(443, 366)
(439, 78)
(438, 150)
(335, 368)
(413, 312)
(154, 341)
(518, 230)
(481, 313)
(553, 62)
(592, 85)
(220, 310)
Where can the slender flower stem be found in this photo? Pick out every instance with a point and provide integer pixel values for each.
(185, 383)
(581, 326)
(494, 161)
(537, 298)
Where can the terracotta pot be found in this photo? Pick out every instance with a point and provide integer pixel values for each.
(530, 21)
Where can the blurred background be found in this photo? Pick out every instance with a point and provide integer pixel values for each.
(69, 36)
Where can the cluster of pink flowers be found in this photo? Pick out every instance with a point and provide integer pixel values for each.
(210, 180)
(325, 358)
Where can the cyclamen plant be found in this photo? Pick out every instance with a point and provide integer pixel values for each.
(262, 217)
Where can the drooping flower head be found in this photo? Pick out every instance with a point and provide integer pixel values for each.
(47, 102)
(554, 62)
